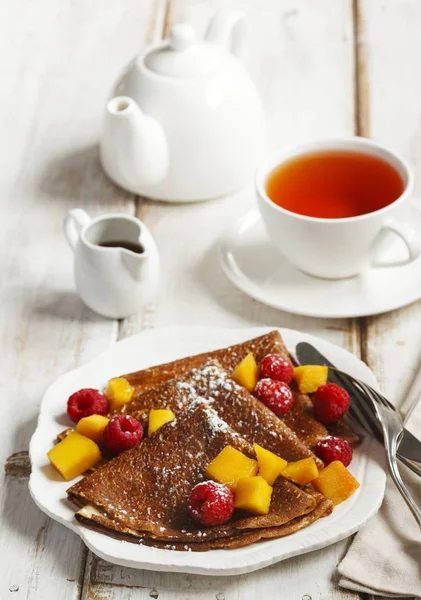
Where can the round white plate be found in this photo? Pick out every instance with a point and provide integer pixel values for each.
(254, 265)
(161, 345)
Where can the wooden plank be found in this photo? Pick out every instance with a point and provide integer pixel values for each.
(301, 57)
(306, 576)
(58, 61)
(390, 38)
(390, 113)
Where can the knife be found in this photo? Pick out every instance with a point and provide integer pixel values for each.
(409, 448)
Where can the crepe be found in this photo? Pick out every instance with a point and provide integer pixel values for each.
(95, 520)
(300, 418)
(233, 403)
(144, 491)
(270, 343)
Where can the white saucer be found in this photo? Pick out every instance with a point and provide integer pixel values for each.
(254, 265)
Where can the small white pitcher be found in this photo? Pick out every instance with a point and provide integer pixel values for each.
(111, 279)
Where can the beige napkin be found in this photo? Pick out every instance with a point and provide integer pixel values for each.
(385, 556)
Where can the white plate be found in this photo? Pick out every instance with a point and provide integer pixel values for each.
(162, 345)
(254, 265)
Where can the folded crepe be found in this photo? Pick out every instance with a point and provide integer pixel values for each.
(270, 343)
(95, 520)
(234, 404)
(143, 492)
(300, 418)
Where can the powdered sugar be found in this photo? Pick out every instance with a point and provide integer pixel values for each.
(215, 421)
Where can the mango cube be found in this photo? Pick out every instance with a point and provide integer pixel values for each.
(119, 392)
(310, 377)
(253, 494)
(92, 427)
(74, 455)
(229, 466)
(270, 465)
(157, 418)
(301, 471)
(336, 482)
(247, 373)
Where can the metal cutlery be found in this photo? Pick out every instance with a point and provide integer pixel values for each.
(378, 416)
(409, 447)
(392, 428)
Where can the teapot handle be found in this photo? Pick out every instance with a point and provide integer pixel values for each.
(74, 222)
(227, 28)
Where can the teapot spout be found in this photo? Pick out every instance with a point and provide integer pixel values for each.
(227, 28)
(134, 149)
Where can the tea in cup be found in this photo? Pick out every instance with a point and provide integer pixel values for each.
(326, 205)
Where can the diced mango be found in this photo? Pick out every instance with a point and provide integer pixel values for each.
(93, 427)
(158, 417)
(336, 482)
(230, 465)
(74, 455)
(270, 465)
(253, 495)
(310, 377)
(119, 392)
(301, 471)
(247, 372)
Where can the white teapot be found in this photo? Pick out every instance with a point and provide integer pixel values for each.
(187, 123)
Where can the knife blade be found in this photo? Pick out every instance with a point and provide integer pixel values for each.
(409, 446)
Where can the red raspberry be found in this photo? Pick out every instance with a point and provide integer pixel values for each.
(276, 395)
(334, 448)
(330, 403)
(86, 402)
(276, 367)
(211, 503)
(121, 433)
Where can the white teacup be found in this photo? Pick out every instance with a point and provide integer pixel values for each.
(337, 248)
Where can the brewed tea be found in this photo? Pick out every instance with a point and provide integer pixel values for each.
(334, 184)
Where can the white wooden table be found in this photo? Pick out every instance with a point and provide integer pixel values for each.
(325, 67)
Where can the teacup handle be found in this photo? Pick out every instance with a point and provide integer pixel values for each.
(74, 222)
(408, 235)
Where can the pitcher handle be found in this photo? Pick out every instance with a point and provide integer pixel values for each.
(408, 235)
(74, 222)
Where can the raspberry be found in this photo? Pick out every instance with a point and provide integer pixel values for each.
(334, 448)
(276, 367)
(211, 503)
(86, 402)
(330, 403)
(122, 432)
(276, 395)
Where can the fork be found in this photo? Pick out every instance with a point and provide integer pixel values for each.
(365, 414)
(380, 417)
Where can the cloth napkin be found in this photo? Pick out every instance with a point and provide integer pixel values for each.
(385, 556)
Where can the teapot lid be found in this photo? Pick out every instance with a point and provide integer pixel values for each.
(182, 56)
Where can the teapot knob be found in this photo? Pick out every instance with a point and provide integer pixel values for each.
(181, 37)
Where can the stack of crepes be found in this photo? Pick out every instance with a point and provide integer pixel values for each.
(141, 495)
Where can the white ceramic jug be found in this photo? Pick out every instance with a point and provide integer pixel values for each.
(186, 122)
(116, 262)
